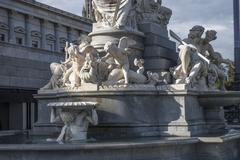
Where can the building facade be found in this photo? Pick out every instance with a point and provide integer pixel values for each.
(32, 35)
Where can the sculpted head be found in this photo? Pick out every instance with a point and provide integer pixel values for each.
(138, 62)
(109, 46)
(211, 35)
(196, 32)
(159, 2)
(72, 50)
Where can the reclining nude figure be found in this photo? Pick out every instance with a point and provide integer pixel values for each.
(120, 55)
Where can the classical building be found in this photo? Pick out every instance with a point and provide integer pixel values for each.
(32, 35)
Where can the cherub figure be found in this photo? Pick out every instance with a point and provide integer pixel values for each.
(154, 78)
(121, 73)
(120, 55)
(75, 60)
(140, 64)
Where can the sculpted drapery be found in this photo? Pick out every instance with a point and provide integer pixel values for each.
(112, 12)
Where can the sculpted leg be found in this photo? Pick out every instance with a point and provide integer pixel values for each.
(194, 73)
(125, 70)
(62, 134)
(222, 79)
(66, 76)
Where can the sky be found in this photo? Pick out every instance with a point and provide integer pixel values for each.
(212, 14)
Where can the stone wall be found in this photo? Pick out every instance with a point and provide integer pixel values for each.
(23, 67)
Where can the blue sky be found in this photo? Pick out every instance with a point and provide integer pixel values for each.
(212, 14)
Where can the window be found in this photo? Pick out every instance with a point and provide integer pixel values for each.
(19, 41)
(35, 44)
(2, 37)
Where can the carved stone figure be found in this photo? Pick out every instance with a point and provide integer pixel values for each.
(195, 35)
(192, 69)
(88, 73)
(75, 60)
(218, 60)
(154, 78)
(216, 68)
(55, 82)
(208, 51)
(152, 11)
(114, 13)
(120, 55)
(93, 70)
(140, 64)
(204, 46)
(212, 77)
(76, 117)
(164, 15)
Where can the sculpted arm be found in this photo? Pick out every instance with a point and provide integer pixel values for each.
(210, 51)
(108, 55)
(55, 117)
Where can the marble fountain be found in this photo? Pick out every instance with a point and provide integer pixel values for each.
(125, 93)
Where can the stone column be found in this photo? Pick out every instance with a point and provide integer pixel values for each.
(11, 34)
(43, 33)
(56, 31)
(28, 30)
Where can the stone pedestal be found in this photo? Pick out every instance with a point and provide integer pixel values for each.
(101, 36)
(152, 43)
(144, 110)
(160, 53)
(225, 147)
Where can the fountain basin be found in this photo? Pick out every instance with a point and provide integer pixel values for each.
(180, 148)
(143, 110)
